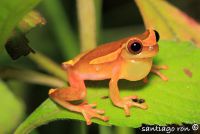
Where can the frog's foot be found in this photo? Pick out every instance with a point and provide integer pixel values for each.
(62, 98)
(126, 104)
(155, 69)
(89, 112)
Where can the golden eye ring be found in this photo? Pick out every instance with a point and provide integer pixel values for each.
(134, 47)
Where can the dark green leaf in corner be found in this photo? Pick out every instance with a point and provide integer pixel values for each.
(173, 102)
(11, 13)
(11, 111)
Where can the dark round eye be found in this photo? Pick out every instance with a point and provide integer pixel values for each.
(135, 47)
(157, 35)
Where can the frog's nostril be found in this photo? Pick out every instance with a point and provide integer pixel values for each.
(151, 48)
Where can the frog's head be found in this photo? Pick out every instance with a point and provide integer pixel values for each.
(141, 46)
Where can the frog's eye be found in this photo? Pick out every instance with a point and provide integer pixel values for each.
(134, 47)
(157, 35)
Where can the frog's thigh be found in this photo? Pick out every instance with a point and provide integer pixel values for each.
(76, 90)
(67, 94)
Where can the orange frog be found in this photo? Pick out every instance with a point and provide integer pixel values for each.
(129, 58)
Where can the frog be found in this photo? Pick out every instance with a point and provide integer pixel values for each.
(129, 58)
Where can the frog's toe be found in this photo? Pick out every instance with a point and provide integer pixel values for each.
(133, 97)
(155, 69)
(143, 106)
(127, 104)
(89, 112)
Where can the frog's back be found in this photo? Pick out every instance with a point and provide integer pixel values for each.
(100, 51)
(88, 56)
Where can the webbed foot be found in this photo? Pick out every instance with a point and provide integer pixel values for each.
(89, 112)
(127, 102)
(155, 69)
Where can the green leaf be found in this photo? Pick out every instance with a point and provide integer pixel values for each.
(173, 102)
(173, 25)
(12, 110)
(10, 14)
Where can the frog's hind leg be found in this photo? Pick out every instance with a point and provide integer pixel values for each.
(155, 69)
(76, 91)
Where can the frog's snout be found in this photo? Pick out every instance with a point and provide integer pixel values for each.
(154, 48)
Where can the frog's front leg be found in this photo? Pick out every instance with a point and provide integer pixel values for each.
(76, 91)
(155, 69)
(127, 102)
